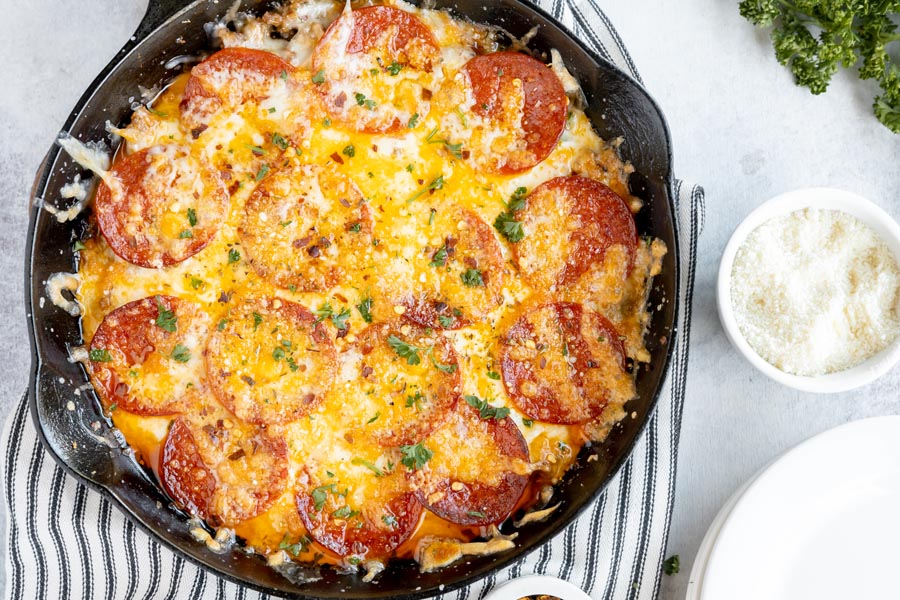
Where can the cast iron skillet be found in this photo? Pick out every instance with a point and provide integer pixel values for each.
(617, 106)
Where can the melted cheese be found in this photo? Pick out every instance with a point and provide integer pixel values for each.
(397, 175)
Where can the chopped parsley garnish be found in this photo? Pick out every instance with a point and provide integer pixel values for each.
(158, 113)
(78, 245)
(439, 258)
(326, 122)
(284, 75)
(476, 513)
(320, 495)
(349, 151)
(493, 375)
(390, 521)
(454, 149)
(508, 227)
(485, 409)
(431, 215)
(445, 321)
(355, 228)
(165, 318)
(415, 456)
(222, 324)
(365, 309)
(412, 122)
(278, 353)
(280, 141)
(323, 312)
(100, 355)
(262, 172)
(344, 512)
(196, 282)
(185, 234)
(374, 418)
(404, 350)
(257, 320)
(301, 545)
(319, 78)
(527, 422)
(255, 149)
(436, 184)
(340, 319)
(672, 565)
(370, 466)
(394, 68)
(409, 167)
(472, 278)
(361, 100)
(192, 216)
(233, 256)
(506, 222)
(442, 367)
(180, 353)
(415, 400)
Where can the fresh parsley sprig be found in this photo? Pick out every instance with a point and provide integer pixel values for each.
(816, 37)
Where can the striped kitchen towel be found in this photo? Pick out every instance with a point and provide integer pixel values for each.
(64, 541)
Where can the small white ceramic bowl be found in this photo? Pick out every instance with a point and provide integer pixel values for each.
(820, 198)
(536, 585)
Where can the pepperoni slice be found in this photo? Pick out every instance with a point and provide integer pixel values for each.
(226, 80)
(375, 68)
(569, 223)
(222, 470)
(478, 469)
(270, 361)
(160, 206)
(525, 106)
(563, 364)
(359, 514)
(387, 398)
(305, 226)
(146, 356)
(463, 271)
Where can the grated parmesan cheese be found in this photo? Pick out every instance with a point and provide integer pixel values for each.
(815, 292)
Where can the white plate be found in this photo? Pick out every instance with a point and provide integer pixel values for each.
(698, 570)
(823, 522)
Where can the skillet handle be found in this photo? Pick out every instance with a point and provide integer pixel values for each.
(158, 12)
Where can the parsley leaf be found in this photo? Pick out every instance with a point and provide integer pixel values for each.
(192, 216)
(319, 77)
(370, 466)
(180, 353)
(349, 151)
(100, 355)
(340, 319)
(365, 308)
(404, 350)
(394, 68)
(320, 495)
(472, 278)
(186, 234)
(280, 141)
(506, 222)
(262, 172)
(415, 456)
(165, 318)
(485, 410)
(257, 320)
(672, 565)
(412, 121)
(233, 256)
(439, 258)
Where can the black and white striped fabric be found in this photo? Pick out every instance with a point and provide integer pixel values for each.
(64, 541)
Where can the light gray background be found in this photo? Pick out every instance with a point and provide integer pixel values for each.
(740, 127)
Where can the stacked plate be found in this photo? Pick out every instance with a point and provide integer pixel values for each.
(820, 522)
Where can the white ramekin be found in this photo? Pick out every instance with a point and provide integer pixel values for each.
(536, 585)
(821, 198)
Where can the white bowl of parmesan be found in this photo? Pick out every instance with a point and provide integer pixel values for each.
(809, 290)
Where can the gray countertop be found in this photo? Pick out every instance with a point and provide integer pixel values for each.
(740, 127)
